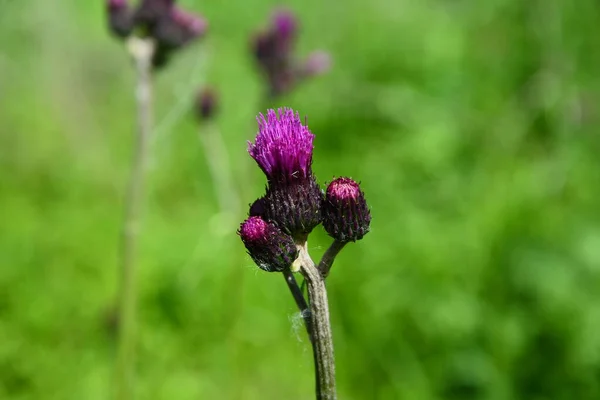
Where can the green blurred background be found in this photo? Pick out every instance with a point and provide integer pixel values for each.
(471, 125)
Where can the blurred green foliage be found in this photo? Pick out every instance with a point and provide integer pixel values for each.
(472, 126)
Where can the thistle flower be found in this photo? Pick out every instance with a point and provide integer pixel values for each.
(283, 150)
(346, 216)
(285, 24)
(150, 12)
(284, 29)
(274, 53)
(119, 18)
(274, 47)
(171, 27)
(179, 28)
(172, 30)
(270, 248)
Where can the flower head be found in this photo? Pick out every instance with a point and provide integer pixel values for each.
(179, 28)
(116, 4)
(285, 24)
(169, 26)
(346, 216)
(270, 248)
(119, 17)
(150, 12)
(274, 52)
(283, 148)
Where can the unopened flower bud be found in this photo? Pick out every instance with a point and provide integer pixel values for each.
(346, 216)
(270, 248)
(120, 21)
(296, 208)
(195, 25)
(207, 104)
(258, 208)
(179, 28)
(150, 12)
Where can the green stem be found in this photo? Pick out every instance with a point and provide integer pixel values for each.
(141, 51)
(215, 152)
(329, 257)
(300, 300)
(322, 339)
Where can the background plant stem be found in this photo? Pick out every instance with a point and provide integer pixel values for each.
(141, 51)
(217, 158)
(322, 339)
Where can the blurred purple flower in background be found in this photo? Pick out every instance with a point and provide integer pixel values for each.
(119, 17)
(171, 27)
(273, 50)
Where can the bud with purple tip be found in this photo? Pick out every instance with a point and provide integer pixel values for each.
(120, 21)
(346, 216)
(270, 248)
(285, 27)
(283, 150)
(173, 30)
(178, 29)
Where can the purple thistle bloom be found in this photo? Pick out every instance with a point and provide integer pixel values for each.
(346, 216)
(283, 147)
(285, 24)
(270, 248)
